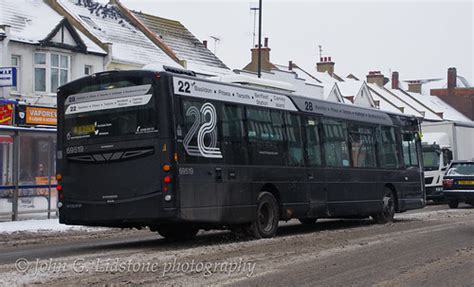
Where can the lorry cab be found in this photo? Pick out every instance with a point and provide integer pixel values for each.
(437, 155)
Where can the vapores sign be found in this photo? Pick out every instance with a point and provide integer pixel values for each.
(28, 115)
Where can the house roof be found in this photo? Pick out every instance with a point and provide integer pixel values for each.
(419, 105)
(300, 73)
(33, 21)
(380, 94)
(106, 23)
(439, 106)
(461, 82)
(184, 44)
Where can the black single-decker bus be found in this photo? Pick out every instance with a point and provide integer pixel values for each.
(177, 153)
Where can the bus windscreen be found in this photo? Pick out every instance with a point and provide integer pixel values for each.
(110, 110)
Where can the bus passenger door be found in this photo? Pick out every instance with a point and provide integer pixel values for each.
(314, 172)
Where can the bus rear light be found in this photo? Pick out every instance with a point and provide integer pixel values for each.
(166, 167)
(166, 189)
(167, 197)
(59, 187)
(448, 183)
(176, 156)
(167, 179)
(61, 196)
(60, 204)
(59, 176)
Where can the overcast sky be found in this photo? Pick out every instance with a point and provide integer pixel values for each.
(418, 39)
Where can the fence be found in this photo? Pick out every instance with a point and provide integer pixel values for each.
(27, 169)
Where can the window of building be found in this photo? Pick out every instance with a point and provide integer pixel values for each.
(362, 141)
(409, 149)
(40, 72)
(388, 152)
(88, 70)
(16, 64)
(336, 152)
(90, 22)
(51, 71)
(313, 142)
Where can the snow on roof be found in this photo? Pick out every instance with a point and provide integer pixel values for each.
(384, 97)
(129, 45)
(461, 82)
(204, 69)
(439, 106)
(429, 113)
(300, 73)
(91, 46)
(32, 21)
(350, 88)
(183, 43)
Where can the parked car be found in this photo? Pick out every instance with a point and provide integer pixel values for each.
(458, 183)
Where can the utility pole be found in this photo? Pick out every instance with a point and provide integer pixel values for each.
(260, 39)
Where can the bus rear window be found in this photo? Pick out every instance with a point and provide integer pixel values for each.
(110, 109)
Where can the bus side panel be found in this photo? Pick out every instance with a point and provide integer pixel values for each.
(215, 194)
(350, 191)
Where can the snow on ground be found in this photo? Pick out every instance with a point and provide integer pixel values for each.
(45, 225)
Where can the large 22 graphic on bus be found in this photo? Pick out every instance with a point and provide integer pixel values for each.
(204, 125)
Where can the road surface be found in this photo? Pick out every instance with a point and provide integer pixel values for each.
(429, 247)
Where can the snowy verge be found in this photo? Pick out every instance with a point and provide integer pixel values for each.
(43, 226)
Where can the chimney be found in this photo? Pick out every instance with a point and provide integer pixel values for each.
(290, 65)
(266, 64)
(204, 43)
(325, 65)
(395, 81)
(375, 77)
(452, 79)
(414, 87)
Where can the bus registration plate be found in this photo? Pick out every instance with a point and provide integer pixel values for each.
(466, 182)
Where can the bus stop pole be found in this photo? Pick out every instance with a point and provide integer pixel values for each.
(16, 173)
(50, 154)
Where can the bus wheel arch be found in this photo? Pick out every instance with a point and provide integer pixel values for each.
(389, 206)
(267, 216)
(268, 187)
(395, 195)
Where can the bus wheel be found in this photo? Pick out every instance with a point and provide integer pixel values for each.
(388, 208)
(308, 220)
(176, 232)
(266, 223)
(453, 203)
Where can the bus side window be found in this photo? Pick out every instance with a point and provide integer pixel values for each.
(362, 146)
(232, 134)
(409, 149)
(336, 152)
(293, 140)
(388, 148)
(313, 142)
(265, 136)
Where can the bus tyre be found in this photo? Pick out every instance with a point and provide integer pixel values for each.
(388, 208)
(266, 222)
(453, 203)
(308, 220)
(178, 233)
